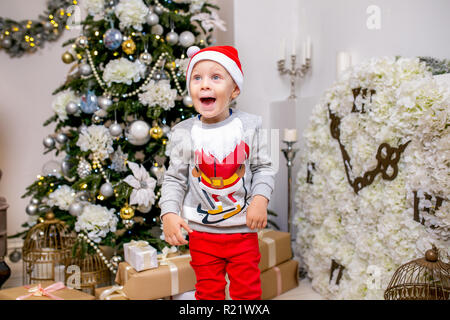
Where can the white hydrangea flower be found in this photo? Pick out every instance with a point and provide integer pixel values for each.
(158, 94)
(131, 13)
(97, 221)
(62, 197)
(123, 70)
(94, 7)
(96, 138)
(60, 102)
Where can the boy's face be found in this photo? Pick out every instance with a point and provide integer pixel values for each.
(212, 90)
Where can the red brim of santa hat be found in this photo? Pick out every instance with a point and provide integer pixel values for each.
(226, 56)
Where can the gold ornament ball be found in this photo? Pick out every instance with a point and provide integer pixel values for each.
(67, 57)
(128, 46)
(156, 132)
(126, 212)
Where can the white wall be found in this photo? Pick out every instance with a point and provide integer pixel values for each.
(26, 86)
(408, 28)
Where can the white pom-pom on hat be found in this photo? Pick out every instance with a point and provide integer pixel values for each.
(192, 50)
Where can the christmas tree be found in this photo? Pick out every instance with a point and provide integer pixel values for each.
(113, 115)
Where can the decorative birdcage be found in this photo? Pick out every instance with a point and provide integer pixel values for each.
(426, 278)
(86, 270)
(46, 248)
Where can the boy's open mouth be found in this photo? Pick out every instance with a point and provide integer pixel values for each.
(207, 101)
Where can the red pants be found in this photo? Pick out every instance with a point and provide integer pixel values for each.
(214, 255)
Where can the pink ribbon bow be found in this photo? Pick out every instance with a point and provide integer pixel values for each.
(38, 291)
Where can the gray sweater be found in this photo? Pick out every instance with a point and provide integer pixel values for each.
(215, 170)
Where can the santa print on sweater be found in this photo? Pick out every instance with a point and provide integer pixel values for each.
(220, 155)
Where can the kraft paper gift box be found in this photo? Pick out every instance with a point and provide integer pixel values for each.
(110, 293)
(140, 255)
(57, 291)
(275, 248)
(173, 276)
(279, 279)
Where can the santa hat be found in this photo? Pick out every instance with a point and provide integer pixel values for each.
(227, 56)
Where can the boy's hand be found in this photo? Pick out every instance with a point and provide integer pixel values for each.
(172, 224)
(257, 212)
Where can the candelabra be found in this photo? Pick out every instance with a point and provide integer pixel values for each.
(289, 154)
(294, 72)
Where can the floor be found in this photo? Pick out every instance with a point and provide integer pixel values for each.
(304, 291)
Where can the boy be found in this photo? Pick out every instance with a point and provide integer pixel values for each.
(218, 161)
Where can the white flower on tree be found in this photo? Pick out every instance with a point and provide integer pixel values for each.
(60, 102)
(62, 197)
(123, 70)
(131, 13)
(94, 7)
(158, 94)
(97, 221)
(96, 138)
(143, 185)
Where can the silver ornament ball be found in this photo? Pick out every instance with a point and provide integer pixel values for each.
(107, 190)
(152, 19)
(76, 208)
(157, 29)
(187, 101)
(49, 142)
(139, 129)
(31, 209)
(172, 38)
(158, 10)
(115, 129)
(104, 102)
(187, 39)
(71, 108)
(35, 201)
(85, 69)
(61, 138)
(145, 58)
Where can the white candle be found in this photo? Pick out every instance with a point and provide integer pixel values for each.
(308, 47)
(293, 47)
(290, 135)
(343, 61)
(304, 52)
(283, 49)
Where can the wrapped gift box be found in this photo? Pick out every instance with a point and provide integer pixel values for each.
(140, 255)
(110, 293)
(64, 293)
(275, 248)
(279, 279)
(173, 276)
